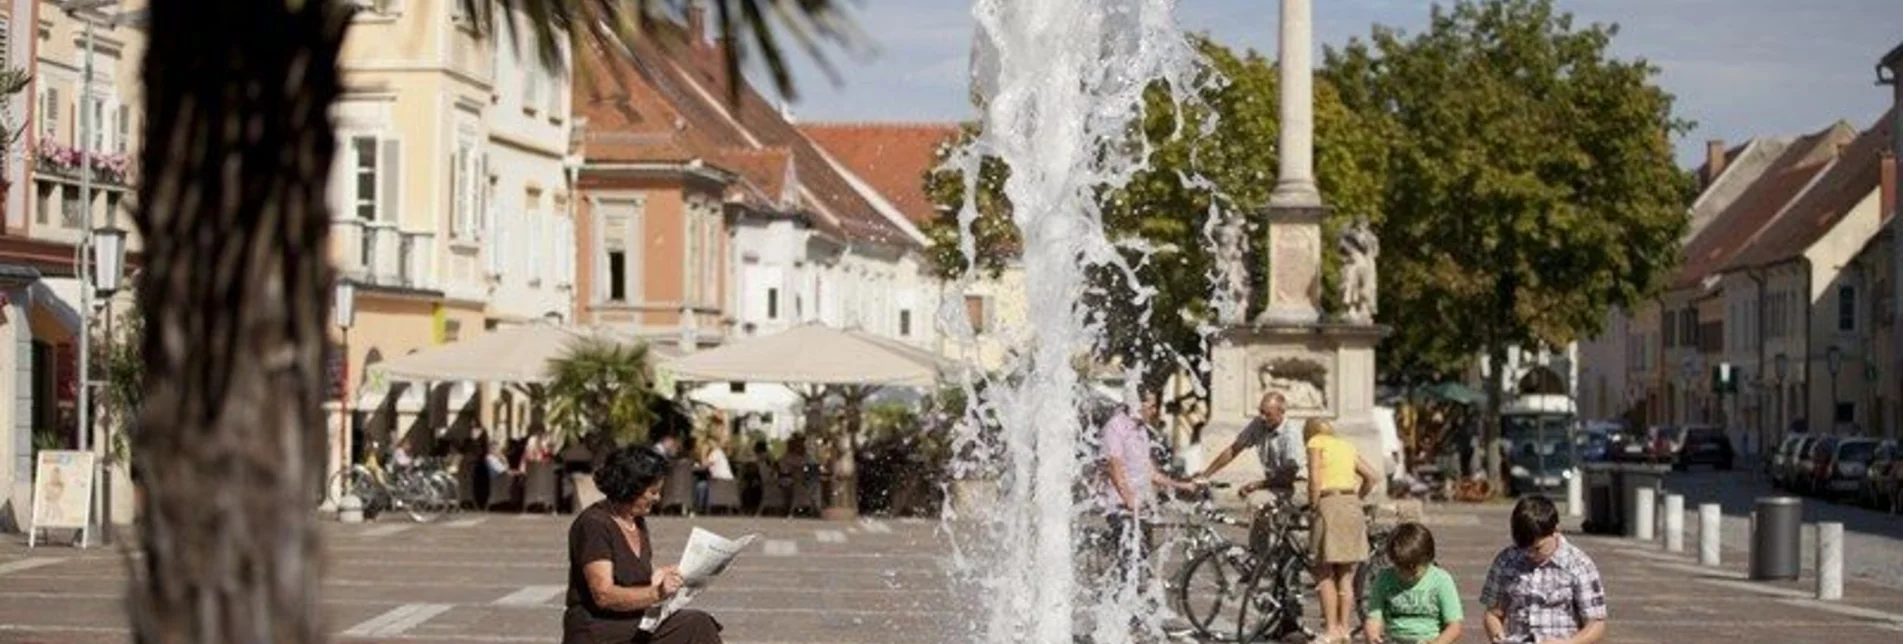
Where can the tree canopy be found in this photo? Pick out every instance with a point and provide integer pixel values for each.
(1530, 185)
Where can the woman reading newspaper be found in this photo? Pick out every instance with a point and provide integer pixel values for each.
(612, 580)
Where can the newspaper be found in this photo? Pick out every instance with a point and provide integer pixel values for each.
(706, 556)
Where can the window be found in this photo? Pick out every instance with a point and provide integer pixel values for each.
(43, 207)
(1846, 308)
(617, 276)
(773, 304)
(975, 312)
(69, 207)
(49, 114)
(1670, 320)
(905, 323)
(691, 229)
(96, 124)
(618, 222)
(365, 169)
(1846, 413)
(531, 85)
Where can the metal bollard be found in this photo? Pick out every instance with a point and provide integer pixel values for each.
(1830, 561)
(1710, 522)
(1646, 504)
(1576, 494)
(1674, 523)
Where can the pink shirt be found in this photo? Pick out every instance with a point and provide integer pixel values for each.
(1125, 440)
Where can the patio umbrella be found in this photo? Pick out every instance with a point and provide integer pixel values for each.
(814, 355)
(510, 354)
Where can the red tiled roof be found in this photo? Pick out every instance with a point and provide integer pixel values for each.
(893, 157)
(1853, 178)
(1733, 228)
(766, 169)
(655, 102)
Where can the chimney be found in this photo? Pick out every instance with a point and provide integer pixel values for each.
(1714, 160)
(697, 25)
(1887, 197)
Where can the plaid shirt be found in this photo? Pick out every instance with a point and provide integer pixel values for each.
(1552, 600)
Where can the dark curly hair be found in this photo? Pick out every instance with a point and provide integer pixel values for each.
(628, 472)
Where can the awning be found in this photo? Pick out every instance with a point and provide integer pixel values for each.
(814, 355)
(510, 354)
(61, 297)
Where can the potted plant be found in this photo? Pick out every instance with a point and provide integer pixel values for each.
(600, 396)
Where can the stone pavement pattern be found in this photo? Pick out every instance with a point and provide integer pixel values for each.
(499, 578)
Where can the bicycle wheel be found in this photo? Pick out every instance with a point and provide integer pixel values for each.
(415, 496)
(1366, 572)
(1274, 606)
(1211, 593)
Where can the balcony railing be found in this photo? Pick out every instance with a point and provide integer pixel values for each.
(377, 253)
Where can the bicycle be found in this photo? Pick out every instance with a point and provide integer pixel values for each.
(1274, 586)
(424, 491)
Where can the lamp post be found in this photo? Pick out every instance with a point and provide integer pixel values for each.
(1783, 363)
(345, 310)
(108, 265)
(1834, 358)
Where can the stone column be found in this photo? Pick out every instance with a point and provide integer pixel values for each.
(1294, 244)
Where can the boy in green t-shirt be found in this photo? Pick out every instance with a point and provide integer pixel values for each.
(1413, 601)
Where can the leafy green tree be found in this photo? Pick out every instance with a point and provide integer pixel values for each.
(1530, 187)
(233, 213)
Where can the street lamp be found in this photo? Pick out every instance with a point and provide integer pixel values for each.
(345, 310)
(1833, 358)
(108, 267)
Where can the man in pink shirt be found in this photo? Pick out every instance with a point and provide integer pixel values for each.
(1133, 477)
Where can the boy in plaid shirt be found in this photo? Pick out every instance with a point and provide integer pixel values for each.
(1543, 589)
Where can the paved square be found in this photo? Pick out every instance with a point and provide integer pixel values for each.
(500, 578)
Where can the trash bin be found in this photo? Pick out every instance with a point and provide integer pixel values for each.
(1602, 504)
(1628, 478)
(1776, 538)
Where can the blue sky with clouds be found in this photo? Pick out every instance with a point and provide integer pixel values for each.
(1739, 68)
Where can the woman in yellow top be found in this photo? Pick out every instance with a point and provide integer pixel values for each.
(1338, 480)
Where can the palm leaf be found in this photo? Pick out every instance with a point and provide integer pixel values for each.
(748, 28)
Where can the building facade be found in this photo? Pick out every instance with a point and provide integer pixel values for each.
(60, 111)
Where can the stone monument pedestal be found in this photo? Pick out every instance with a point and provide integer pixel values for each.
(1323, 369)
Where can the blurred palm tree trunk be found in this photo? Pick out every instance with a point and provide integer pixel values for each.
(235, 293)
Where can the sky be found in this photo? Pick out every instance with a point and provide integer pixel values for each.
(1739, 68)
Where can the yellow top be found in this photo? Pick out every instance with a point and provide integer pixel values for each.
(1336, 469)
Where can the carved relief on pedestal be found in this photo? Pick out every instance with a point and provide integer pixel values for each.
(1302, 381)
(1294, 266)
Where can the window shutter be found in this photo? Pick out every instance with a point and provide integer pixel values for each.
(391, 167)
(456, 192)
(491, 244)
(124, 117)
(49, 114)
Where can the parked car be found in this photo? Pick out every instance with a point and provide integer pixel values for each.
(1704, 446)
(1797, 470)
(1841, 464)
(1789, 458)
(1646, 446)
(1883, 479)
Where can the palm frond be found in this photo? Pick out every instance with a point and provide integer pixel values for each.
(747, 28)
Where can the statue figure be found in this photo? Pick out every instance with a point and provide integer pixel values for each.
(1232, 273)
(1359, 248)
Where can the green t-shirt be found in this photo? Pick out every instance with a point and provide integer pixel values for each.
(1414, 612)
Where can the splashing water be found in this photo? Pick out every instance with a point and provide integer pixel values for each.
(1060, 82)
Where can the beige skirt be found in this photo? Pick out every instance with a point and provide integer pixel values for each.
(1340, 534)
